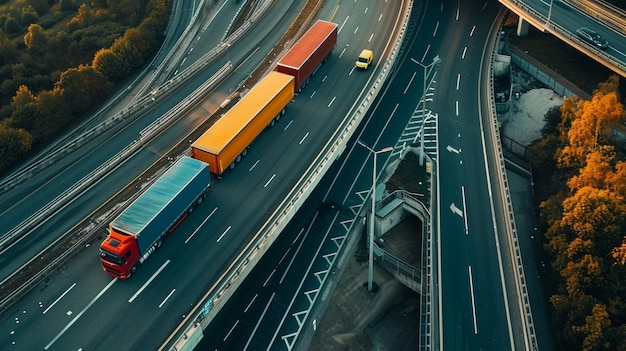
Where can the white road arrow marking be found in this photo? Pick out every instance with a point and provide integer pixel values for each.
(456, 210)
(451, 149)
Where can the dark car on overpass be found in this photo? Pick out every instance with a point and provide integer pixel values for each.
(592, 37)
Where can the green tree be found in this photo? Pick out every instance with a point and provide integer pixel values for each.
(110, 64)
(82, 87)
(570, 311)
(66, 5)
(54, 113)
(13, 144)
(22, 97)
(8, 49)
(28, 16)
(131, 48)
(11, 26)
(36, 38)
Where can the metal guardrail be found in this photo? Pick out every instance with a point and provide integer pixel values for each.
(427, 317)
(90, 180)
(602, 11)
(563, 34)
(139, 106)
(212, 302)
(396, 264)
(173, 58)
(79, 242)
(522, 289)
(391, 261)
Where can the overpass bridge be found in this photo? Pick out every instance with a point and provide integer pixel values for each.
(561, 18)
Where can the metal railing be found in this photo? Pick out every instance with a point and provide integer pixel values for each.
(85, 184)
(605, 13)
(560, 32)
(389, 260)
(218, 295)
(520, 277)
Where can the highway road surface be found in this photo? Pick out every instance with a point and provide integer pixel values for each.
(81, 307)
(479, 306)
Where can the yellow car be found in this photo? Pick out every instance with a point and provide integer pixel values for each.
(365, 59)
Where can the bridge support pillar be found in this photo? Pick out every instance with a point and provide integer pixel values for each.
(522, 27)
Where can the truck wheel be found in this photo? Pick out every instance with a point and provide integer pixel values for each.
(245, 152)
(273, 122)
(277, 118)
(133, 269)
(190, 209)
(282, 112)
(238, 159)
(158, 244)
(199, 200)
(231, 166)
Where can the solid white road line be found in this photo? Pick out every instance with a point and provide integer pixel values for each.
(145, 285)
(224, 233)
(81, 313)
(231, 330)
(59, 298)
(471, 283)
(254, 165)
(270, 277)
(259, 321)
(166, 298)
(410, 82)
(200, 226)
(464, 209)
(269, 181)
(250, 304)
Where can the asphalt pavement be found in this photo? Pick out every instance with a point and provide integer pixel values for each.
(355, 319)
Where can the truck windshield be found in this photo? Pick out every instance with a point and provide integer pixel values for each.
(111, 257)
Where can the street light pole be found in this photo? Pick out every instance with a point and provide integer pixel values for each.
(549, 13)
(436, 60)
(370, 275)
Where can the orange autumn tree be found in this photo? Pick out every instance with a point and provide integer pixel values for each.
(586, 224)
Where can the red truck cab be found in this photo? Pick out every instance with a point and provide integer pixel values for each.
(119, 253)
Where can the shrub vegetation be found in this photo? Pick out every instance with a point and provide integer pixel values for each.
(60, 59)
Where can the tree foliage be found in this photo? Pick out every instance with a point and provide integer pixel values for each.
(13, 143)
(585, 216)
(50, 78)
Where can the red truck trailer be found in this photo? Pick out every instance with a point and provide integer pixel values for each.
(313, 49)
(140, 229)
(224, 144)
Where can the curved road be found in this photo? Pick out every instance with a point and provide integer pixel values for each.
(479, 309)
(81, 307)
(558, 15)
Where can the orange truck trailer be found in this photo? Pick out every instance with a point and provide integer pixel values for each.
(141, 228)
(309, 52)
(224, 144)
